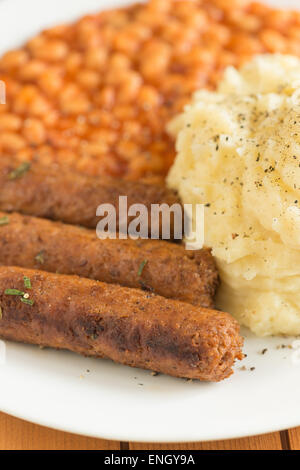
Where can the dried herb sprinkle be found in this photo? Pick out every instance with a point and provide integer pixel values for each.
(40, 257)
(14, 292)
(27, 282)
(27, 301)
(24, 296)
(141, 268)
(20, 171)
(4, 220)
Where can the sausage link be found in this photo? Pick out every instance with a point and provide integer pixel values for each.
(154, 265)
(126, 325)
(59, 193)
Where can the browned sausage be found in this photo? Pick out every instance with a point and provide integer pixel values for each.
(164, 268)
(58, 193)
(126, 325)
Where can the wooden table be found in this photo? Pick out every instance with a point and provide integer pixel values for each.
(20, 435)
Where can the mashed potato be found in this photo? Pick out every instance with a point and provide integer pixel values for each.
(239, 153)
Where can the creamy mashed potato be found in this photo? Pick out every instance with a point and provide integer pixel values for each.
(238, 151)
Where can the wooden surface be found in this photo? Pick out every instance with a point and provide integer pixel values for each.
(20, 435)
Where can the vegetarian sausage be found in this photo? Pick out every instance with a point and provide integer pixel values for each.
(58, 193)
(157, 266)
(126, 325)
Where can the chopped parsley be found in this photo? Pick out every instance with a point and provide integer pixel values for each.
(4, 220)
(27, 282)
(24, 296)
(14, 292)
(141, 268)
(27, 301)
(19, 171)
(40, 257)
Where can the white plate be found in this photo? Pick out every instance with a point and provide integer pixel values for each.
(116, 402)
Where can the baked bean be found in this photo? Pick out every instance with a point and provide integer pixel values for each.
(88, 34)
(12, 88)
(151, 18)
(279, 20)
(11, 141)
(4, 108)
(104, 135)
(148, 97)
(294, 33)
(232, 4)
(216, 14)
(127, 149)
(13, 59)
(184, 10)
(61, 140)
(32, 70)
(129, 88)
(48, 49)
(73, 63)
(88, 79)
(227, 58)
(244, 21)
(260, 9)
(115, 18)
(46, 153)
(155, 59)
(219, 36)
(106, 97)
(50, 81)
(131, 129)
(95, 58)
(242, 44)
(294, 47)
(296, 18)
(119, 61)
(273, 41)
(67, 156)
(74, 105)
(140, 31)
(198, 21)
(124, 112)
(51, 118)
(100, 118)
(60, 31)
(10, 122)
(30, 101)
(25, 154)
(34, 131)
(160, 7)
(94, 149)
(125, 42)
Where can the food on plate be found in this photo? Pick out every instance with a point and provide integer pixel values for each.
(126, 325)
(164, 268)
(97, 94)
(57, 193)
(239, 153)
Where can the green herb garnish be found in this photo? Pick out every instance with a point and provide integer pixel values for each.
(20, 171)
(27, 301)
(40, 257)
(14, 292)
(24, 297)
(27, 282)
(141, 268)
(4, 220)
